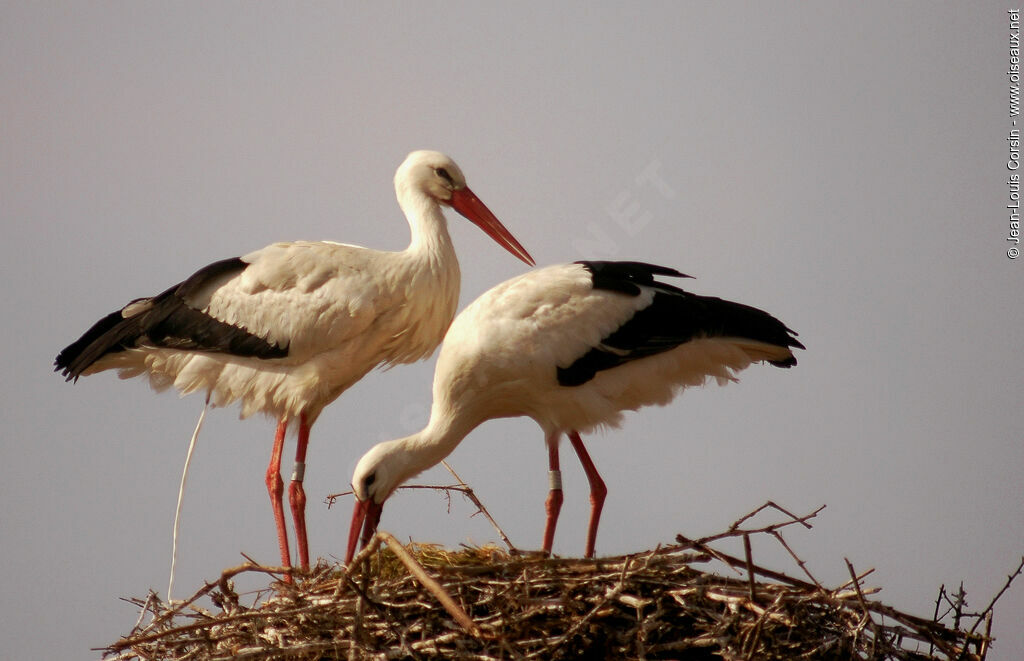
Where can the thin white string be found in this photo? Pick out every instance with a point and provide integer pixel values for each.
(181, 497)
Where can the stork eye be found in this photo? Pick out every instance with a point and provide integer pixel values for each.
(441, 172)
(369, 480)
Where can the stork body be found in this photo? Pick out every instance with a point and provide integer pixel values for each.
(286, 329)
(572, 346)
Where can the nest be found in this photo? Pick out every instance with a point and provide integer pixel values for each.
(425, 602)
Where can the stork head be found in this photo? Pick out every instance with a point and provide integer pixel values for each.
(431, 172)
(437, 177)
(377, 475)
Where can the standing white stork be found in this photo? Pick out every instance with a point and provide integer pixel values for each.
(286, 329)
(571, 346)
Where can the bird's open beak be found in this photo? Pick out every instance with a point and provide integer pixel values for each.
(469, 205)
(365, 516)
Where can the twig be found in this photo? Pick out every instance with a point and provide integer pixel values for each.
(983, 645)
(859, 577)
(736, 562)
(462, 488)
(151, 599)
(988, 609)
(360, 609)
(959, 604)
(935, 615)
(430, 584)
(734, 530)
(175, 609)
(755, 635)
(750, 566)
(468, 492)
(346, 574)
(796, 519)
(875, 634)
(800, 563)
(181, 496)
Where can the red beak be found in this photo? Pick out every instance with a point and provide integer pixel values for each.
(469, 205)
(365, 515)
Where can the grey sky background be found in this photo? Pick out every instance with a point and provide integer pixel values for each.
(842, 166)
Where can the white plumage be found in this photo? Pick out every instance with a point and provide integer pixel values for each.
(286, 329)
(571, 346)
(340, 310)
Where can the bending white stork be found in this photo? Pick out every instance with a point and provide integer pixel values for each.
(571, 346)
(288, 328)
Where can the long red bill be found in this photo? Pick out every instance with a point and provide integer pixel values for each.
(365, 516)
(469, 205)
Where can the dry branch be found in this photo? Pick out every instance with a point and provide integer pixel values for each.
(462, 488)
(430, 584)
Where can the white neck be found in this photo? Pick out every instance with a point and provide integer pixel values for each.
(427, 225)
(414, 454)
(427, 274)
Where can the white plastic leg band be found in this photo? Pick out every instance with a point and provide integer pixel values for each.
(299, 471)
(555, 480)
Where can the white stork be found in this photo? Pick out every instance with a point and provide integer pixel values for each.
(571, 346)
(286, 329)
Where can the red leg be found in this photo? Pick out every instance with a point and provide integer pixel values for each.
(276, 489)
(297, 496)
(597, 491)
(553, 505)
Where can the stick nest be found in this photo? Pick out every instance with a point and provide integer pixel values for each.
(425, 602)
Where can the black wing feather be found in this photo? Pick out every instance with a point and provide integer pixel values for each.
(625, 277)
(167, 320)
(674, 317)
